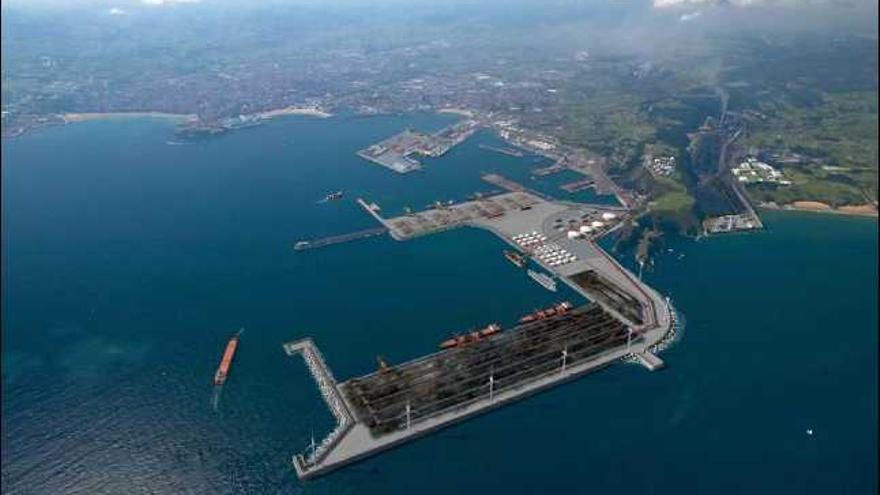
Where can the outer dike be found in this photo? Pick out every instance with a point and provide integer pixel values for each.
(625, 320)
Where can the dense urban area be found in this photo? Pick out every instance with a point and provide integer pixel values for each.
(672, 127)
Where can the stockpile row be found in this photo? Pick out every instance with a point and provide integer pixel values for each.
(457, 377)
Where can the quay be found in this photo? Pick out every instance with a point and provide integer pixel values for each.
(624, 320)
(339, 239)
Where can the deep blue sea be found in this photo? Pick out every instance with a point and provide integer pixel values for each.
(128, 262)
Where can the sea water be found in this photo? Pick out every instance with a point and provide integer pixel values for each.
(128, 262)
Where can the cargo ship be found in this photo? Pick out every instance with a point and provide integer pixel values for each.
(542, 278)
(228, 354)
(515, 258)
(555, 310)
(460, 340)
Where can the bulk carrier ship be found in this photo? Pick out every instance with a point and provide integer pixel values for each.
(461, 340)
(515, 258)
(228, 354)
(555, 310)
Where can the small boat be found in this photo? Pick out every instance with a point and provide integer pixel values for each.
(545, 280)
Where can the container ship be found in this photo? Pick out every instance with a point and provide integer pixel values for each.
(555, 310)
(515, 258)
(228, 354)
(546, 281)
(460, 340)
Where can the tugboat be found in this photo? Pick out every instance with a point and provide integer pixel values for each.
(515, 258)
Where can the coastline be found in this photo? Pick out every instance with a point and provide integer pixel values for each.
(865, 210)
(87, 116)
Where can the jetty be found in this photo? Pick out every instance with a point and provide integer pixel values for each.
(503, 150)
(339, 239)
(549, 170)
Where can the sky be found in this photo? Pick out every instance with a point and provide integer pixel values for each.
(636, 15)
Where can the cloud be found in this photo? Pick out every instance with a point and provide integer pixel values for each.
(116, 11)
(168, 2)
(740, 3)
(690, 17)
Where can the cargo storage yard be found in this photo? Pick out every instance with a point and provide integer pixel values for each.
(477, 371)
(395, 398)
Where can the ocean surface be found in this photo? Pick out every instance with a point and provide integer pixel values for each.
(128, 262)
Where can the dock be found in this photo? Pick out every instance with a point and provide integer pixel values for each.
(339, 239)
(624, 320)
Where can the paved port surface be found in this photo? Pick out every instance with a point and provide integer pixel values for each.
(518, 218)
(396, 152)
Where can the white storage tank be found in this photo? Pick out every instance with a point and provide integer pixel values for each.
(597, 224)
(586, 229)
(573, 234)
(608, 216)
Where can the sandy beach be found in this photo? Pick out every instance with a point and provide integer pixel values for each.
(457, 111)
(865, 210)
(311, 112)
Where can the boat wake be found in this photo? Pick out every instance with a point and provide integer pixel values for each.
(215, 397)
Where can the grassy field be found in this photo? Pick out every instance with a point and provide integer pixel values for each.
(839, 134)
